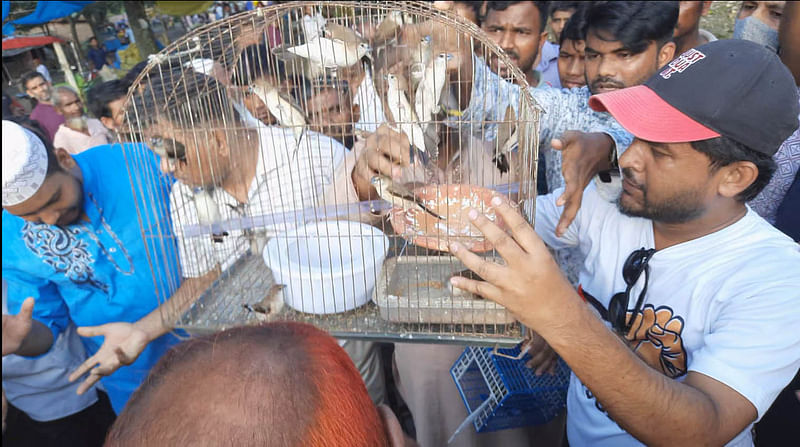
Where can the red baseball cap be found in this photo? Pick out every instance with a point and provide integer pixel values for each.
(734, 88)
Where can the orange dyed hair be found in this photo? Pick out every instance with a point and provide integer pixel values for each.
(280, 384)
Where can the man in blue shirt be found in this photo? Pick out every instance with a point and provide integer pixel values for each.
(71, 241)
(97, 54)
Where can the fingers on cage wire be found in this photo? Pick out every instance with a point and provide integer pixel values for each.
(486, 269)
(502, 242)
(520, 228)
(480, 288)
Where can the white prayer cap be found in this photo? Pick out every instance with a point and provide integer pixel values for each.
(24, 163)
(202, 66)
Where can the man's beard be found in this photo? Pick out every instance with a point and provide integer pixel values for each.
(77, 123)
(681, 207)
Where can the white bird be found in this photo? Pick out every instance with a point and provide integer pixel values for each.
(419, 58)
(331, 53)
(281, 107)
(207, 208)
(399, 195)
(507, 140)
(404, 117)
(429, 92)
(270, 305)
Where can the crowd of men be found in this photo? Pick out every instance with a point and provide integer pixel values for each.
(664, 236)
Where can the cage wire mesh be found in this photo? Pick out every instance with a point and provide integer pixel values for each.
(261, 119)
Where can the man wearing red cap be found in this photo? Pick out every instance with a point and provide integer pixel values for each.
(685, 330)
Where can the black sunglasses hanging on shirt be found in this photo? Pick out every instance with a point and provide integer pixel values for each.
(631, 271)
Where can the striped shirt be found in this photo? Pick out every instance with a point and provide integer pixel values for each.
(284, 182)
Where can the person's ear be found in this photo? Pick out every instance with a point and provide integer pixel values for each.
(666, 53)
(542, 40)
(736, 177)
(395, 434)
(64, 159)
(108, 123)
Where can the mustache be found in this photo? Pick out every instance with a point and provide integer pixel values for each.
(606, 80)
(627, 173)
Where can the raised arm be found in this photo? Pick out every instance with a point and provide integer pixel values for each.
(644, 402)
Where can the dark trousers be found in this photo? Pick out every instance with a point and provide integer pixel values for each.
(84, 429)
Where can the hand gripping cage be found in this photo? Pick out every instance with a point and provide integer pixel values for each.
(261, 120)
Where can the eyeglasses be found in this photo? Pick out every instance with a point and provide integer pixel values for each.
(631, 271)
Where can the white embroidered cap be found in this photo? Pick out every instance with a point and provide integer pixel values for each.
(24, 163)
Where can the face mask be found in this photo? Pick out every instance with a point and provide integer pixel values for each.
(754, 30)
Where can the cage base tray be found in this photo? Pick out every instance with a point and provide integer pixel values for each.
(414, 289)
(222, 306)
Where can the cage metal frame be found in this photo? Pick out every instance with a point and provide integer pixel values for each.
(217, 309)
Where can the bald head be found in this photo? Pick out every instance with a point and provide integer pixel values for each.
(280, 384)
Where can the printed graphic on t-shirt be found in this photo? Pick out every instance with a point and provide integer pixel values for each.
(656, 337)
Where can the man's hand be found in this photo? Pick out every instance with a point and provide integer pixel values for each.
(16, 327)
(122, 345)
(387, 153)
(543, 358)
(530, 285)
(583, 155)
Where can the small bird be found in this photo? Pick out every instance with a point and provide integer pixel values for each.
(429, 92)
(399, 195)
(389, 28)
(283, 108)
(402, 113)
(419, 58)
(270, 305)
(507, 140)
(343, 33)
(296, 66)
(331, 53)
(207, 208)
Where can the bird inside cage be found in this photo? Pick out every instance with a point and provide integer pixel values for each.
(349, 133)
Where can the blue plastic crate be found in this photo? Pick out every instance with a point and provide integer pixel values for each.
(516, 396)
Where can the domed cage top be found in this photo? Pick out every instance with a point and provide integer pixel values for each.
(256, 128)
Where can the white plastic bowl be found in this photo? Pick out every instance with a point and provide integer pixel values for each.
(327, 266)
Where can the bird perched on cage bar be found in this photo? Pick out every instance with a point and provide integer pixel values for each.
(418, 59)
(429, 92)
(403, 115)
(399, 196)
(283, 108)
(331, 53)
(507, 140)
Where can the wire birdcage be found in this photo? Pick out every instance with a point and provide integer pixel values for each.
(261, 119)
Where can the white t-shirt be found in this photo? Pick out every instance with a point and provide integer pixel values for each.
(282, 184)
(726, 305)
